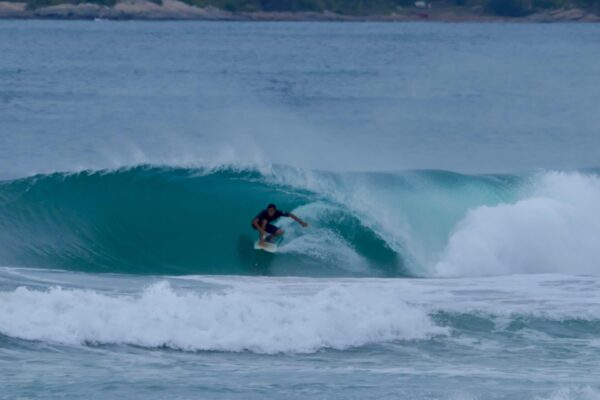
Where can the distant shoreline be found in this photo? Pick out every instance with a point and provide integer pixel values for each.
(176, 10)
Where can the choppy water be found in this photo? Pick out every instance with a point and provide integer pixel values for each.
(448, 173)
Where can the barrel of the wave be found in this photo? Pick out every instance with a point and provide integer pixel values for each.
(153, 220)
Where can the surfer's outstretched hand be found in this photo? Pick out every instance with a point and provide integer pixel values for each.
(304, 224)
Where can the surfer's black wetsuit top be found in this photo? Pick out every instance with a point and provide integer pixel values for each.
(264, 215)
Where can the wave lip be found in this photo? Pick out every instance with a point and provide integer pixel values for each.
(335, 317)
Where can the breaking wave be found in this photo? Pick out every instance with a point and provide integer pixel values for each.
(163, 220)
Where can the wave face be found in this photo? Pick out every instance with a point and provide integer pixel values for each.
(162, 220)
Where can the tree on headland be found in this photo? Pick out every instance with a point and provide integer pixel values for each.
(510, 8)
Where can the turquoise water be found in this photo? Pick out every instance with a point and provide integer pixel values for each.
(448, 173)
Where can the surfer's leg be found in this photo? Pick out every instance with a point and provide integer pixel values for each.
(260, 234)
(273, 235)
(273, 232)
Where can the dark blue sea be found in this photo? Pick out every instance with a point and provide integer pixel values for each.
(449, 174)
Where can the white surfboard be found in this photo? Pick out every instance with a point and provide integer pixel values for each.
(270, 247)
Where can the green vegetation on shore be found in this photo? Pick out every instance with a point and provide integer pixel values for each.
(511, 8)
(519, 8)
(508, 8)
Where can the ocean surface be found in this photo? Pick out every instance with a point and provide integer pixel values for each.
(450, 175)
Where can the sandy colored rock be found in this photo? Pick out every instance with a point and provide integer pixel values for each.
(13, 10)
(70, 11)
(564, 15)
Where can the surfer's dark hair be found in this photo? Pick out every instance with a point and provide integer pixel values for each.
(272, 206)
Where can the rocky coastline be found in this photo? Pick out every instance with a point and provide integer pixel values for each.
(177, 10)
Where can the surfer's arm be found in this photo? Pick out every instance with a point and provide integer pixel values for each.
(298, 220)
(258, 225)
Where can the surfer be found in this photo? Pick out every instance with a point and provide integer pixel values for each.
(262, 223)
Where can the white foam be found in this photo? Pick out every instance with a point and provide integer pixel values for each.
(374, 204)
(262, 321)
(551, 226)
(555, 229)
(318, 242)
(270, 315)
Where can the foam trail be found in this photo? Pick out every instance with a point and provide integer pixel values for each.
(320, 243)
(555, 229)
(335, 317)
